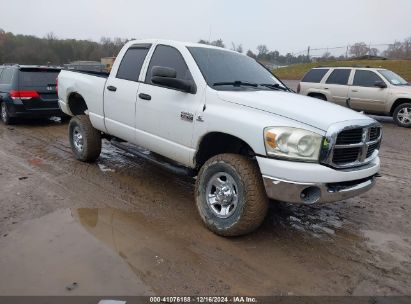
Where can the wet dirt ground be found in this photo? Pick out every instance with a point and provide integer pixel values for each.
(123, 226)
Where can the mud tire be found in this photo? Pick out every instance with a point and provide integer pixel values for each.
(252, 199)
(91, 145)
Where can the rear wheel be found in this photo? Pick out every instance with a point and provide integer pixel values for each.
(319, 96)
(230, 195)
(85, 140)
(5, 116)
(402, 115)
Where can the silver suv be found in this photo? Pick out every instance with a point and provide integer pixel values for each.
(372, 90)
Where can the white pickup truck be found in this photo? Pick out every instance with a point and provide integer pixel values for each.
(243, 134)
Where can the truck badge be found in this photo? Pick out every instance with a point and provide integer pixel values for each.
(187, 116)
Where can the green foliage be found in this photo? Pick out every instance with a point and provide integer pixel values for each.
(24, 49)
(297, 71)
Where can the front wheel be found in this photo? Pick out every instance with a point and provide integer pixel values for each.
(85, 140)
(402, 115)
(230, 195)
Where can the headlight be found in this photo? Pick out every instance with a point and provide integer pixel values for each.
(292, 143)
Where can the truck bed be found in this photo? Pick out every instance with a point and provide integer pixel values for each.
(92, 73)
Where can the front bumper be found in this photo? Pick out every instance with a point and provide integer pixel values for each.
(308, 183)
(310, 193)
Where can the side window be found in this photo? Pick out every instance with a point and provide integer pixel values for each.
(7, 76)
(315, 75)
(339, 76)
(1, 70)
(132, 62)
(363, 78)
(167, 56)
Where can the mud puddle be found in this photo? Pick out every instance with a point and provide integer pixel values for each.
(105, 251)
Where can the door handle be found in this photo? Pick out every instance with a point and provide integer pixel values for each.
(111, 88)
(325, 88)
(355, 91)
(144, 96)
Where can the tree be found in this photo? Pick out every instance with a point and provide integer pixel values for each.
(399, 50)
(373, 52)
(218, 42)
(262, 50)
(236, 48)
(326, 55)
(359, 49)
(251, 54)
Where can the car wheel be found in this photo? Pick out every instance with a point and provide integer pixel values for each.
(320, 96)
(5, 116)
(402, 115)
(85, 140)
(230, 195)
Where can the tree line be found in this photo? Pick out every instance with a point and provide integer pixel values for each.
(28, 49)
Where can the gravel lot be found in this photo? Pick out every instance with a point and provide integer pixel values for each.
(124, 226)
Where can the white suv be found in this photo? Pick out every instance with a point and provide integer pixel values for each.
(372, 90)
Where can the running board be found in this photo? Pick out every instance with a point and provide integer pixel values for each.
(153, 158)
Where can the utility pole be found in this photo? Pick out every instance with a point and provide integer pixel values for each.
(308, 53)
(346, 52)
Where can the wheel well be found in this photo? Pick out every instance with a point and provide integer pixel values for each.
(76, 104)
(317, 95)
(217, 143)
(398, 102)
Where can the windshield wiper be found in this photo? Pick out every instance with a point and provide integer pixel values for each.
(274, 87)
(236, 83)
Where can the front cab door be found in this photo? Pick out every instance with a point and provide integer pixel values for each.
(365, 95)
(166, 116)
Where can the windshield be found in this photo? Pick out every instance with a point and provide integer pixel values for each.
(228, 71)
(393, 78)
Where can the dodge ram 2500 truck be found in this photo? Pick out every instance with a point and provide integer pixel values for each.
(243, 134)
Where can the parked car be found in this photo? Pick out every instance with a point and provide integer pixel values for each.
(372, 90)
(221, 114)
(28, 91)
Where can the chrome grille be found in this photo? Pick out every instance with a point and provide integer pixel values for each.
(353, 136)
(351, 146)
(344, 156)
(374, 133)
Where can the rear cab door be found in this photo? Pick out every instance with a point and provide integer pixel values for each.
(120, 91)
(364, 95)
(337, 84)
(311, 82)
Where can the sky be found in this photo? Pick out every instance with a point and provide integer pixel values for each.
(286, 26)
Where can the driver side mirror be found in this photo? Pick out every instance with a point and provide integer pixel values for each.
(380, 84)
(167, 77)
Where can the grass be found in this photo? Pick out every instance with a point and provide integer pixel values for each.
(297, 71)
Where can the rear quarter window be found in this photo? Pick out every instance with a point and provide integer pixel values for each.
(132, 62)
(6, 76)
(315, 75)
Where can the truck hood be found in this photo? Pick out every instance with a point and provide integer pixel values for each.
(311, 111)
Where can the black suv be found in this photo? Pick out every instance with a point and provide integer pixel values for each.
(28, 91)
